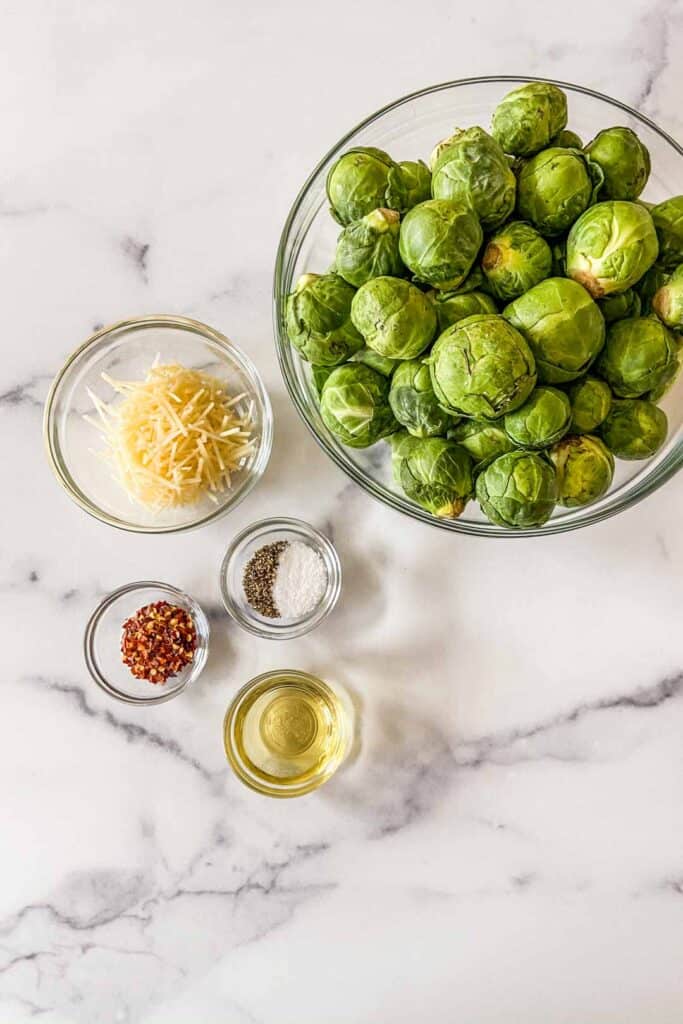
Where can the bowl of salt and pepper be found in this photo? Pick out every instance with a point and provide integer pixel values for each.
(280, 578)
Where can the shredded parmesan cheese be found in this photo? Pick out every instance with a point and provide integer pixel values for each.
(175, 436)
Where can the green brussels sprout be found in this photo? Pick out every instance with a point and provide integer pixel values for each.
(319, 375)
(409, 183)
(357, 183)
(668, 301)
(543, 419)
(567, 139)
(562, 325)
(414, 403)
(668, 221)
(439, 242)
(624, 160)
(355, 406)
(584, 467)
(437, 474)
(481, 439)
(621, 306)
(611, 246)
(453, 306)
(591, 401)
(401, 443)
(648, 286)
(639, 355)
(516, 259)
(318, 319)
(383, 364)
(482, 367)
(634, 429)
(395, 318)
(555, 187)
(529, 117)
(368, 248)
(518, 489)
(472, 169)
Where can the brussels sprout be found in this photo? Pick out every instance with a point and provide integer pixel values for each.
(481, 439)
(437, 474)
(368, 248)
(555, 187)
(318, 319)
(567, 140)
(634, 429)
(355, 406)
(401, 443)
(383, 364)
(648, 286)
(414, 403)
(563, 326)
(591, 400)
(668, 301)
(395, 318)
(585, 468)
(624, 160)
(454, 306)
(668, 220)
(529, 117)
(482, 367)
(543, 419)
(472, 169)
(639, 355)
(439, 242)
(611, 246)
(408, 184)
(357, 183)
(516, 259)
(518, 489)
(319, 375)
(620, 306)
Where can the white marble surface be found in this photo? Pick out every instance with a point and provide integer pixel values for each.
(508, 846)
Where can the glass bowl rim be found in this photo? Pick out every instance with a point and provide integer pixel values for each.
(237, 764)
(667, 468)
(260, 395)
(301, 627)
(201, 625)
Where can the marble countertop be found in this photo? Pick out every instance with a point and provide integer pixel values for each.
(508, 845)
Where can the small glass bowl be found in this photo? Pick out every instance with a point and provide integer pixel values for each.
(246, 544)
(126, 350)
(265, 769)
(102, 643)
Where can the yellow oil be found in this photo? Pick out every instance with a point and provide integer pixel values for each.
(286, 733)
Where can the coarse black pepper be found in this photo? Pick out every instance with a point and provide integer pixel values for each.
(258, 579)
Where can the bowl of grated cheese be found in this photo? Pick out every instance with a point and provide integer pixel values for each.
(158, 425)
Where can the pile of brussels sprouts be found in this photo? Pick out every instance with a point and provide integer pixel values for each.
(506, 317)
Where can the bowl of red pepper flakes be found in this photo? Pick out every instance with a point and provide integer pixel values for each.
(146, 642)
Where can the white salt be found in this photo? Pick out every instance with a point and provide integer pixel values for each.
(300, 582)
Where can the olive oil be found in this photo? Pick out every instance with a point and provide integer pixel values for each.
(286, 733)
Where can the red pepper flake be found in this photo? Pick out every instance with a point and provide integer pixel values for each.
(158, 641)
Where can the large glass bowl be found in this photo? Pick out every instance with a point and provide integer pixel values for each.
(125, 351)
(408, 129)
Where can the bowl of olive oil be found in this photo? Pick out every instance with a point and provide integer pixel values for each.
(286, 732)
